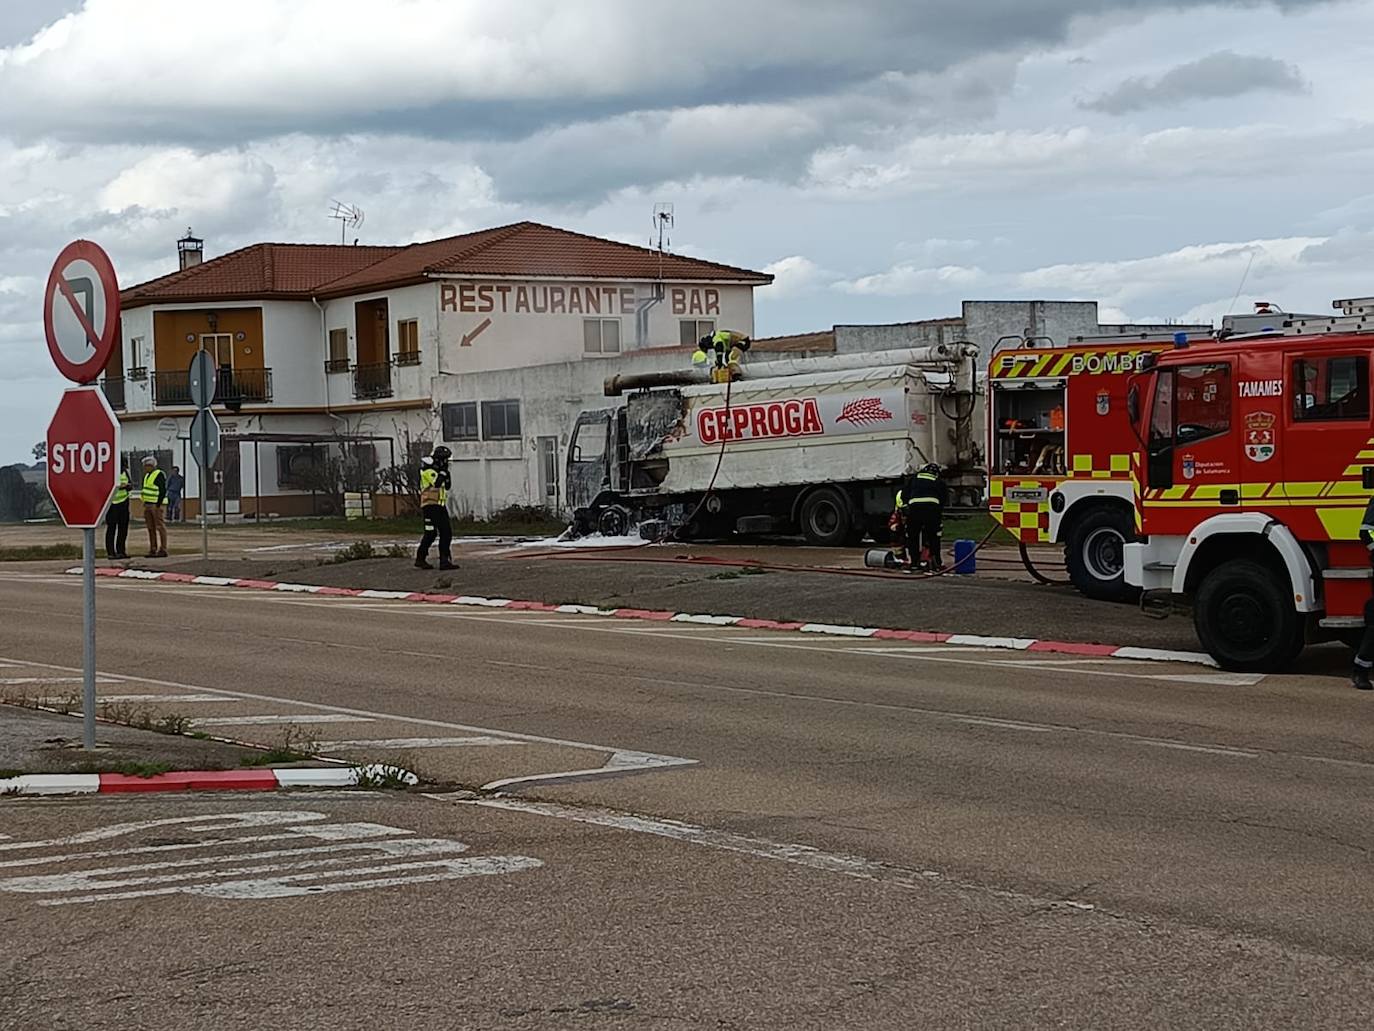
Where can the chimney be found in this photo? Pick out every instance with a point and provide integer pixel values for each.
(190, 250)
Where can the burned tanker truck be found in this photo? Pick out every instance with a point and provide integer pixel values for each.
(817, 446)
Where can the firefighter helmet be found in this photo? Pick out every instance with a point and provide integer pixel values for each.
(442, 454)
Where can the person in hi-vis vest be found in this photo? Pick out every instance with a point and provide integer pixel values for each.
(117, 518)
(154, 497)
(727, 347)
(435, 483)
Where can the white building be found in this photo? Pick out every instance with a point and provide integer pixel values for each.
(337, 362)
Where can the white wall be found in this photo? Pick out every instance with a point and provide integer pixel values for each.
(137, 322)
(410, 302)
(513, 323)
(294, 350)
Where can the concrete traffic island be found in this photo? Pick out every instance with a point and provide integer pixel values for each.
(41, 754)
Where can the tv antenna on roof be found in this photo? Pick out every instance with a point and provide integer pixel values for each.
(350, 216)
(663, 225)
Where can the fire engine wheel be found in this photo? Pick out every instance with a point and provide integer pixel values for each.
(826, 519)
(1095, 554)
(1244, 618)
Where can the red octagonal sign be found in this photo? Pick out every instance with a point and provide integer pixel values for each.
(83, 456)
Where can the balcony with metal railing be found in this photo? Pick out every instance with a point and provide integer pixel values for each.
(233, 387)
(114, 391)
(372, 381)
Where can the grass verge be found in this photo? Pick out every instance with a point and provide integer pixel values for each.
(38, 552)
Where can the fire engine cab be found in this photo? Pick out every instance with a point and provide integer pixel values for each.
(1060, 446)
(1255, 465)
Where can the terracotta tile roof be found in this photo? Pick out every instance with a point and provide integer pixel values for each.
(532, 249)
(299, 271)
(266, 271)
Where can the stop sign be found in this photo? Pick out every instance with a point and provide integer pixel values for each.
(83, 456)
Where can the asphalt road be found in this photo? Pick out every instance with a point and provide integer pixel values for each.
(765, 830)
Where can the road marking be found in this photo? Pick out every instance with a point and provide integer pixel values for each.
(619, 761)
(419, 742)
(806, 856)
(242, 721)
(1237, 753)
(353, 856)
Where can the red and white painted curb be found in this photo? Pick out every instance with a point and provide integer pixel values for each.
(199, 780)
(1025, 644)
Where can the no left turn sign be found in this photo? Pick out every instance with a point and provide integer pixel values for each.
(81, 311)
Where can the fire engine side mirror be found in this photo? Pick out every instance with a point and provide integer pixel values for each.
(1133, 403)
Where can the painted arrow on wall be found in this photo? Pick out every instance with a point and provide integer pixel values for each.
(468, 338)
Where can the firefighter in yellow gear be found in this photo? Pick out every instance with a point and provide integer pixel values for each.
(920, 513)
(435, 483)
(726, 347)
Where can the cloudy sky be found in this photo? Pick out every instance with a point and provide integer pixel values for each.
(883, 158)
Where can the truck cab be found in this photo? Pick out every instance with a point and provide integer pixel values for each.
(1256, 464)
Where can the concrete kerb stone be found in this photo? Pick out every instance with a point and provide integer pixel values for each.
(202, 780)
(1080, 648)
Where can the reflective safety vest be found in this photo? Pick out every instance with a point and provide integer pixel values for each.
(432, 492)
(925, 490)
(121, 493)
(150, 488)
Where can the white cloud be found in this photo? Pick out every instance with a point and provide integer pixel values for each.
(974, 161)
(1196, 268)
(795, 274)
(908, 278)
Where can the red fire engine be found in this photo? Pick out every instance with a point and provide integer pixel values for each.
(1257, 464)
(1060, 447)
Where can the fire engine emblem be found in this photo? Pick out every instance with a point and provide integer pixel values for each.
(1259, 436)
(1104, 402)
(1189, 467)
(864, 410)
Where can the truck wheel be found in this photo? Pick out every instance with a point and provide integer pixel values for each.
(1095, 554)
(613, 522)
(825, 518)
(1245, 618)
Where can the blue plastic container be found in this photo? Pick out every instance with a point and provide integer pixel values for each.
(965, 556)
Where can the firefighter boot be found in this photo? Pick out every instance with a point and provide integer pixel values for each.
(446, 563)
(1359, 678)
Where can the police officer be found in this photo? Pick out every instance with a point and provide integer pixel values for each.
(921, 504)
(117, 518)
(435, 483)
(1364, 657)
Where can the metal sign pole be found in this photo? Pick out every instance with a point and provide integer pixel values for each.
(204, 498)
(88, 649)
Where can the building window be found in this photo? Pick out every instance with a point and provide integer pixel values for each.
(408, 342)
(460, 420)
(500, 420)
(1331, 389)
(338, 351)
(300, 468)
(418, 449)
(600, 336)
(692, 330)
(137, 368)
